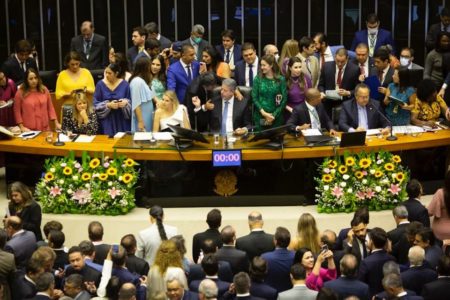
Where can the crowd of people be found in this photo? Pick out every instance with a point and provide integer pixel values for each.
(411, 261)
(158, 82)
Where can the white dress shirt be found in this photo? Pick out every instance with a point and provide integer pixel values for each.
(229, 124)
(255, 71)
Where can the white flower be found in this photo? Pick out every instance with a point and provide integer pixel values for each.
(52, 170)
(350, 190)
(378, 188)
(326, 187)
(346, 176)
(87, 185)
(379, 162)
(364, 181)
(120, 178)
(63, 165)
(326, 170)
(69, 191)
(61, 181)
(394, 175)
(385, 181)
(333, 171)
(75, 177)
(372, 171)
(109, 183)
(343, 184)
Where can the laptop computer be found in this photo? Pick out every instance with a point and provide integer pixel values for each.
(357, 138)
(317, 139)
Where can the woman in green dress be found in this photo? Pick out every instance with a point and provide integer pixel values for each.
(269, 95)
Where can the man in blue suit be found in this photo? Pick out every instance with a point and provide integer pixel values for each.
(22, 243)
(280, 261)
(229, 50)
(362, 113)
(418, 274)
(181, 73)
(393, 286)
(373, 36)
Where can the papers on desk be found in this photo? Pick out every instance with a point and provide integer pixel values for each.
(29, 134)
(311, 132)
(83, 138)
(142, 136)
(373, 132)
(407, 129)
(333, 95)
(8, 103)
(5, 131)
(163, 136)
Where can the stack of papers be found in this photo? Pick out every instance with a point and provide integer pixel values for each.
(311, 132)
(163, 136)
(408, 129)
(142, 136)
(373, 132)
(83, 138)
(29, 134)
(333, 95)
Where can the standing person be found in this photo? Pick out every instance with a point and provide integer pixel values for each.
(434, 60)
(307, 234)
(92, 48)
(153, 33)
(269, 95)
(33, 108)
(141, 96)
(22, 204)
(138, 36)
(214, 220)
(81, 117)
(433, 32)
(112, 102)
(196, 40)
(158, 78)
(18, 64)
(212, 62)
(8, 90)
(316, 276)
(247, 69)
(297, 83)
(439, 208)
(416, 210)
(230, 51)
(310, 63)
(289, 50)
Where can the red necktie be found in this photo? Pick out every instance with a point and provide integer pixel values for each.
(339, 78)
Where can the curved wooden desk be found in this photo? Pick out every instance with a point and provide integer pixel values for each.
(295, 148)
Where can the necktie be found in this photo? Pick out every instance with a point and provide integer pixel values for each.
(380, 76)
(307, 65)
(24, 67)
(315, 122)
(250, 75)
(322, 60)
(362, 69)
(227, 58)
(223, 129)
(88, 48)
(339, 78)
(189, 73)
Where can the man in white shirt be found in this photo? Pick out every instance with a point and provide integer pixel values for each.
(247, 69)
(323, 50)
(229, 50)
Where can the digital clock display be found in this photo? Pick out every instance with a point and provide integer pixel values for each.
(226, 158)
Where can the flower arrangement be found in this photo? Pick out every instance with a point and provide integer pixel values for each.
(100, 186)
(377, 180)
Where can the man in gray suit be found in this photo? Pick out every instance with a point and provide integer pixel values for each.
(7, 267)
(92, 48)
(299, 289)
(196, 40)
(22, 243)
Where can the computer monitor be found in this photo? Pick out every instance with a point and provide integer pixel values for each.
(274, 135)
(49, 79)
(184, 137)
(356, 138)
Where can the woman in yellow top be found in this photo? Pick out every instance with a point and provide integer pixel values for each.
(73, 78)
(429, 106)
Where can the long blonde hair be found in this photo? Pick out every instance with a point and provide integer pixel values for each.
(173, 96)
(77, 97)
(167, 256)
(307, 233)
(290, 49)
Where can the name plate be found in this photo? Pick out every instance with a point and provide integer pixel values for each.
(227, 158)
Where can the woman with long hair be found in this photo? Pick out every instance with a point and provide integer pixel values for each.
(439, 208)
(212, 62)
(81, 117)
(315, 274)
(158, 78)
(170, 112)
(434, 61)
(297, 84)
(307, 234)
(290, 49)
(8, 90)
(269, 95)
(401, 89)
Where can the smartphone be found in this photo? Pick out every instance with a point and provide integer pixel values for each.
(324, 248)
(115, 248)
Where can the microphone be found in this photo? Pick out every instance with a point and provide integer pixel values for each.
(391, 137)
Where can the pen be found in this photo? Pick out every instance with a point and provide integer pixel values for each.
(27, 134)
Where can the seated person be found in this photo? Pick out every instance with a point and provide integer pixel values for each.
(362, 113)
(80, 118)
(170, 112)
(429, 106)
(311, 114)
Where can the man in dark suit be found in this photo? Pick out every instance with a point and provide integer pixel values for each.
(443, 25)
(134, 264)
(229, 50)
(176, 291)
(363, 61)
(181, 73)
(401, 248)
(425, 238)
(56, 241)
(153, 33)
(7, 266)
(95, 232)
(257, 242)
(17, 64)
(373, 36)
(401, 219)
(138, 36)
(279, 261)
(93, 48)
(22, 243)
(361, 113)
(45, 284)
(438, 289)
(416, 210)
(382, 70)
(311, 114)
(229, 114)
(347, 284)
(196, 40)
(74, 287)
(339, 76)
(78, 266)
(355, 243)
(258, 272)
(392, 284)
(371, 268)
(241, 283)
(210, 266)
(214, 220)
(237, 258)
(24, 286)
(207, 290)
(418, 274)
(363, 214)
(247, 69)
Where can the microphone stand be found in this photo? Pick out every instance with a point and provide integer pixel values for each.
(391, 136)
(58, 142)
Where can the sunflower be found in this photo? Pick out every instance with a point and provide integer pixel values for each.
(400, 176)
(111, 171)
(67, 171)
(342, 169)
(94, 163)
(127, 177)
(359, 174)
(349, 161)
(85, 176)
(332, 164)
(49, 176)
(396, 159)
(389, 167)
(327, 178)
(129, 162)
(378, 174)
(103, 176)
(365, 163)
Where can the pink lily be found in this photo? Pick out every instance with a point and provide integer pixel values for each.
(337, 192)
(55, 191)
(360, 195)
(113, 193)
(394, 189)
(370, 193)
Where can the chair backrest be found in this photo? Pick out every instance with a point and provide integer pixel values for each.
(97, 75)
(49, 79)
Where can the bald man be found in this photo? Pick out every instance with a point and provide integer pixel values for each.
(257, 242)
(92, 48)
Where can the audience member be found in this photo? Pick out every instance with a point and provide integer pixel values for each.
(93, 48)
(207, 290)
(127, 292)
(21, 243)
(95, 233)
(439, 207)
(8, 90)
(74, 287)
(158, 78)
(133, 263)
(88, 252)
(49, 226)
(323, 50)
(78, 266)
(24, 286)
(212, 62)
(7, 267)
(153, 33)
(56, 241)
(15, 66)
(170, 112)
(426, 240)
(407, 59)
(418, 274)
(434, 60)
(151, 49)
(327, 294)
(401, 248)
(45, 285)
(181, 246)
(383, 70)
(435, 29)
(176, 291)
(363, 214)
(400, 214)
(416, 210)
(438, 289)
(229, 50)
(392, 284)
(214, 221)
(241, 282)
(247, 69)
(290, 49)
(297, 84)
(45, 256)
(121, 60)
(307, 234)
(315, 274)
(299, 289)
(258, 273)
(196, 40)
(237, 258)
(81, 117)
(363, 61)
(210, 266)
(138, 36)
(310, 64)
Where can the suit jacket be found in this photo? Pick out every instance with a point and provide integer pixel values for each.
(241, 114)
(417, 212)
(224, 274)
(201, 46)
(348, 117)
(263, 290)
(83, 295)
(22, 245)
(165, 42)
(14, 71)
(400, 250)
(7, 272)
(432, 255)
(237, 52)
(177, 79)
(101, 251)
(279, 264)
(237, 258)
(395, 234)
(88, 273)
(349, 79)
(298, 292)
(416, 277)
(126, 276)
(137, 265)
(221, 285)
(387, 78)
(371, 64)
(432, 34)
(98, 54)
(23, 288)
(345, 287)
(31, 217)
(436, 290)
(384, 37)
(300, 116)
(41, 297)
(371, 270)
(239, 71)
(255, 243)
(312, 70)
(132, 52)
(62, 259)
(201, 237)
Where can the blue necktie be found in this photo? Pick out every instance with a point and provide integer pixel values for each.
(250, 75)
(227, 58)
(223, 129)
(188, 67)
